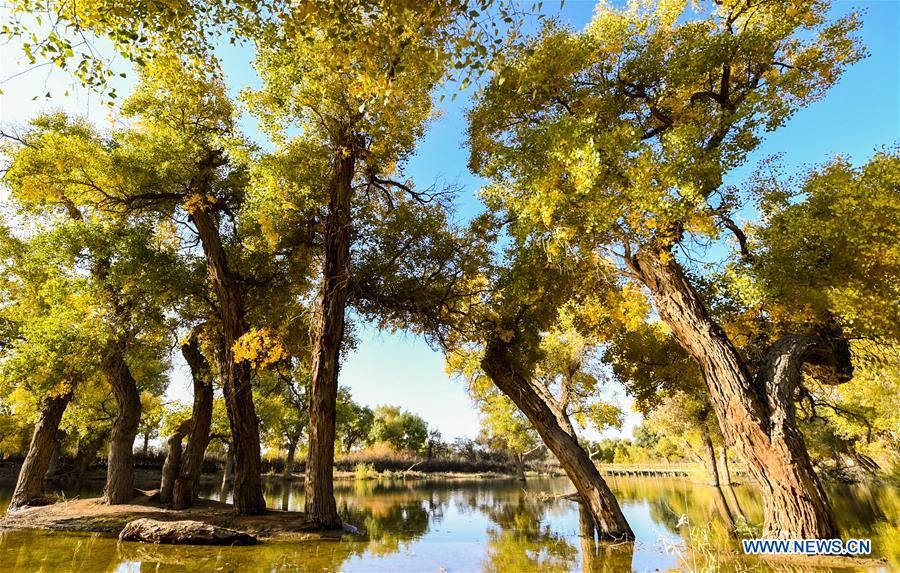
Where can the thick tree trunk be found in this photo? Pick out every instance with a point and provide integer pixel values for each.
(30, 484)
(201, 416)
(172, 466)
(756, 413)
(320, 505)
(520, 466)
(289, 461)
(54, 457)
(237, 377)
(499, 365)
(120, 466)
(709, 456)
(87, 453)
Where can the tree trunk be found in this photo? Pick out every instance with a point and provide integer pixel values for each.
(87, 453)
(30, 484)
(120, 466)
(237, 377)
(54, 457)
(596, 495)
(709, 456)
(756, 413)
(320, 505)
(289, 461)
(520, 466)
(146, 445)
(229, 466)
(201, 416)
(172, 466)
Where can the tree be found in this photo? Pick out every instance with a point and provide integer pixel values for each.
(623, 150)
(354, 422)
(201, 185)
(401, 429)
(525, 297)
(126, 263)
(357, 80)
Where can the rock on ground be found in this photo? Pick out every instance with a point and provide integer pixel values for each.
(184, 532)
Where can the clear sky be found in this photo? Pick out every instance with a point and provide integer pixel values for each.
(858, 117)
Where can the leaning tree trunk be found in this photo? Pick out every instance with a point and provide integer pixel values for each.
(709, 456)
(596, 495)
(30, 484)
(237, 376)
(320, 505)
(756, 413)
(201, 416)
(120, 466)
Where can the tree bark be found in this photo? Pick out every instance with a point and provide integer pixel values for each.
(119, 487)
(201, 416)
(289, 461)
(87, 453)
(226, 474)
(54, 457)
(709, 456)
(756, 413)
(237, 377)
(520, 466)
(30, 484)
(146, 445)
(172, 466)
(320, 505)
(499, 365)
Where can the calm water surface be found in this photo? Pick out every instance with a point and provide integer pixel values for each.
(487, 525)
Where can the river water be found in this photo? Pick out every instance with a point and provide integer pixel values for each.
(480, 525)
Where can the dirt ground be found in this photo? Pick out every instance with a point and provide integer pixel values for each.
(94, 516)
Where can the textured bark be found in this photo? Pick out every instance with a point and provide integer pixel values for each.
(499, 365)
(201, 415)
(87, 453)
(54, 457)
(709, 457)
(30, 485)
(237, 377)
(289, 461)
(320, 505)
(172, 466)
(756, 411)
(183, 494)
(120, 465)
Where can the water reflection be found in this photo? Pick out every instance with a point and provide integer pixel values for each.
(488, 525)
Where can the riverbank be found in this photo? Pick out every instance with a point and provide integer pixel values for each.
(91, 515)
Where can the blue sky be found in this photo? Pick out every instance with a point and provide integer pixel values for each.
(858, 117)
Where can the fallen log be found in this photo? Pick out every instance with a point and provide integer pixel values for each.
(185, 532)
